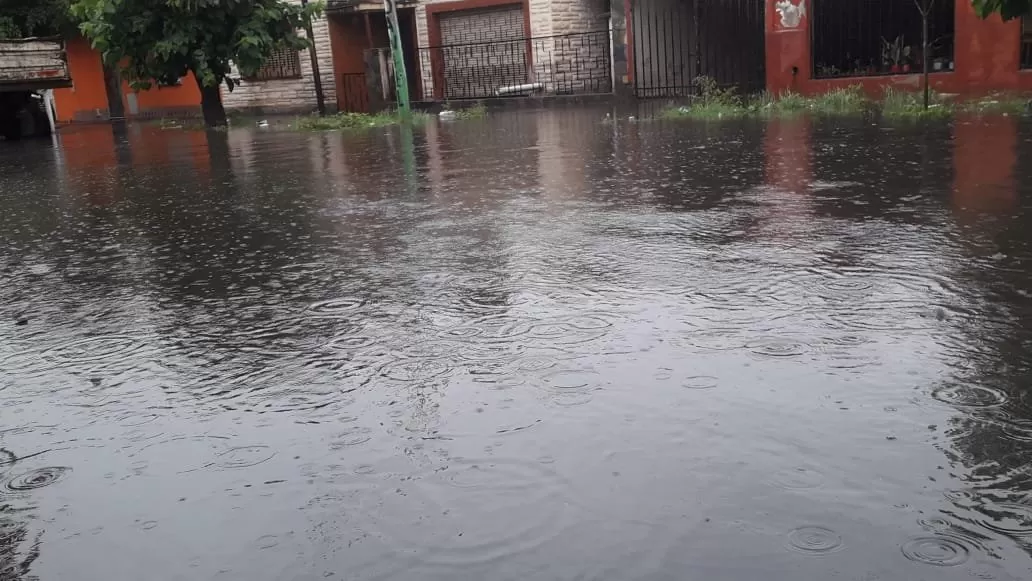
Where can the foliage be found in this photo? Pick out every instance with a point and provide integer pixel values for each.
(905, 104)
(787, 102)
(1006, 8)
(849, 99)
(715, 103)
(25, 18)
(355, 121)
(161, 40)
(997, 104)
(478, 111)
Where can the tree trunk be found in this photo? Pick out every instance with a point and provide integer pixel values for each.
(211, 106)
(924, 51)
(113, 88)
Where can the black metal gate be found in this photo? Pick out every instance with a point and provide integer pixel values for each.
(674, 42)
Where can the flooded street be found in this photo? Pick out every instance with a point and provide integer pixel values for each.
(537, 346)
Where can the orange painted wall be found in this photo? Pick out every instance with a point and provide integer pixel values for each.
(986, 59)
(88, 95)
(184, 95)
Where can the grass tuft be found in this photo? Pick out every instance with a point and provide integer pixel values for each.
(478, 111)
(355, 121)
(910, 105)
(717, 103)
(713, 102)
(1006, 104)
(845, 100)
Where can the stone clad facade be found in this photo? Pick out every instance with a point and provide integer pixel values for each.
(289, 95)
(561, 58)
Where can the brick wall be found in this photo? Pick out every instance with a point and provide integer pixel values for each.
(576, 64)
(476, 57)
(580, 61)
(569, 16)
(538, 9)
(289, 95)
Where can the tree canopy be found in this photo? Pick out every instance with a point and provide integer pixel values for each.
(1006, 8)
(161, 40)
(21, 18)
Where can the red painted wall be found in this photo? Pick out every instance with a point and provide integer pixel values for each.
(347, 43)
(88, 95)
(986, 59)
(984, 158)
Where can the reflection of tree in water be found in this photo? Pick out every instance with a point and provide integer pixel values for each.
(989, 439)
(18, 548)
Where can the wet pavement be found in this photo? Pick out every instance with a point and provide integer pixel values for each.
(537, 346)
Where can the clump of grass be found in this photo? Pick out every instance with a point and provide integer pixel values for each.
(789, 102)
(717, 103)
(846, 100)
(354, 121)
(704, 111)
(910, 105)
(713, 102)
(478, 111)
(997, 104)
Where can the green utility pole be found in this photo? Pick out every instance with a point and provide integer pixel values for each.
(400, 78)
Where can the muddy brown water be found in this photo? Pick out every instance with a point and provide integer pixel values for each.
(537, 346)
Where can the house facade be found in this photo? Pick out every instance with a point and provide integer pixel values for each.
(476, 49)
(286, 84)
(812, 46)
(96, 96)
(808, 50)
(479, 49)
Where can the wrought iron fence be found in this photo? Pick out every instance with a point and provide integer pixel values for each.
(354, 94)
(855, 38)
(567, 64)
(1026, 42)
(675, 43)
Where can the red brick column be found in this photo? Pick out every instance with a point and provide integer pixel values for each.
(788, 45)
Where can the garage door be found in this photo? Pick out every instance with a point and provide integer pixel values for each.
(482, 51)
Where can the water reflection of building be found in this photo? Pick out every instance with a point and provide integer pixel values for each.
(787, 152)
(984, 157)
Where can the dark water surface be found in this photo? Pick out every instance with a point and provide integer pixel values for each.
(533, 347)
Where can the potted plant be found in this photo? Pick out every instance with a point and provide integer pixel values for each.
(892, 54)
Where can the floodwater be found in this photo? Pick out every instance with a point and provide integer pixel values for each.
(537, 346)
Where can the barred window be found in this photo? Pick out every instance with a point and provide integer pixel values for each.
(283, 63)
(856, 38)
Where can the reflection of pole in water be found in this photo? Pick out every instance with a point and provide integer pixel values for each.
(408, 156)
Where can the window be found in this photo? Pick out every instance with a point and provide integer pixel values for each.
(856, 38)
(1026, 41)
(284, 63)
